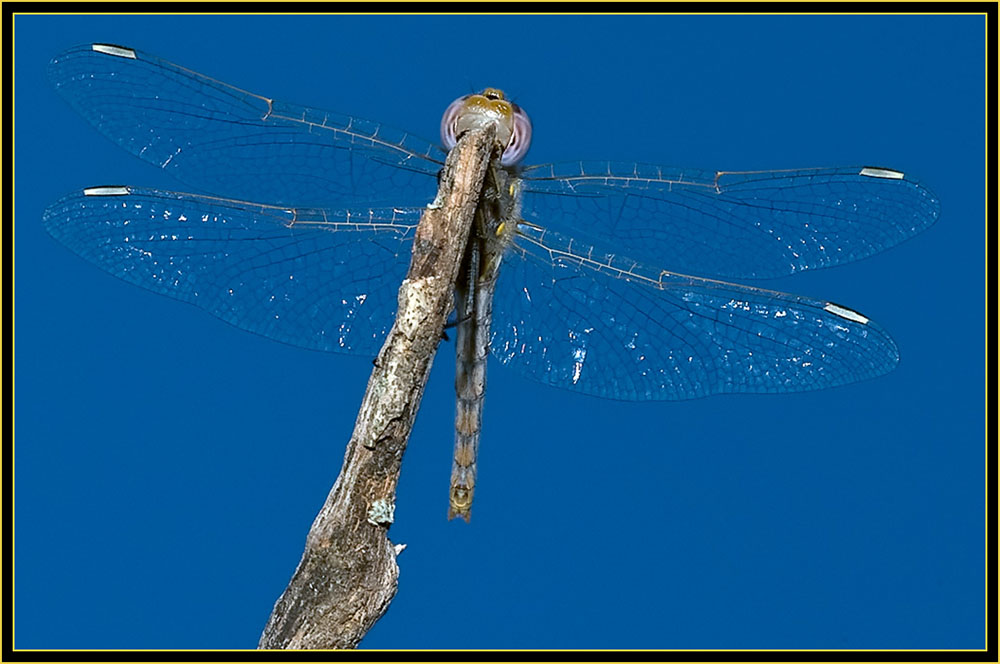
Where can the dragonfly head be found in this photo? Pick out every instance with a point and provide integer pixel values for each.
(479, 110)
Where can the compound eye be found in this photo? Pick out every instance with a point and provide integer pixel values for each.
(449, 122)
(520, 139)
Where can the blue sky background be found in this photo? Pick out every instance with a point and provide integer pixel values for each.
(168, 465)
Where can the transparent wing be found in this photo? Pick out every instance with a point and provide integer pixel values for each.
(317, 278)
(569, 316)
(224, 140)
(732, 225)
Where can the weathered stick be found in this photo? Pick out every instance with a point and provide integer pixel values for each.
(347, 575)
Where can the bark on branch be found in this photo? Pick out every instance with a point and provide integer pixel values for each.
(348, 572)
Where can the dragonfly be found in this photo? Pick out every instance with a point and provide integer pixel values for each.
(606, 278)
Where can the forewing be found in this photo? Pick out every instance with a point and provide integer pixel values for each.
(227, 141)
(732, 225)
(322, 279)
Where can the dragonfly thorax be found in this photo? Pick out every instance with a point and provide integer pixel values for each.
(480, 110)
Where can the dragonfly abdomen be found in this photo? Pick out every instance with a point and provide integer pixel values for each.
(470, 390)
(474, 309)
